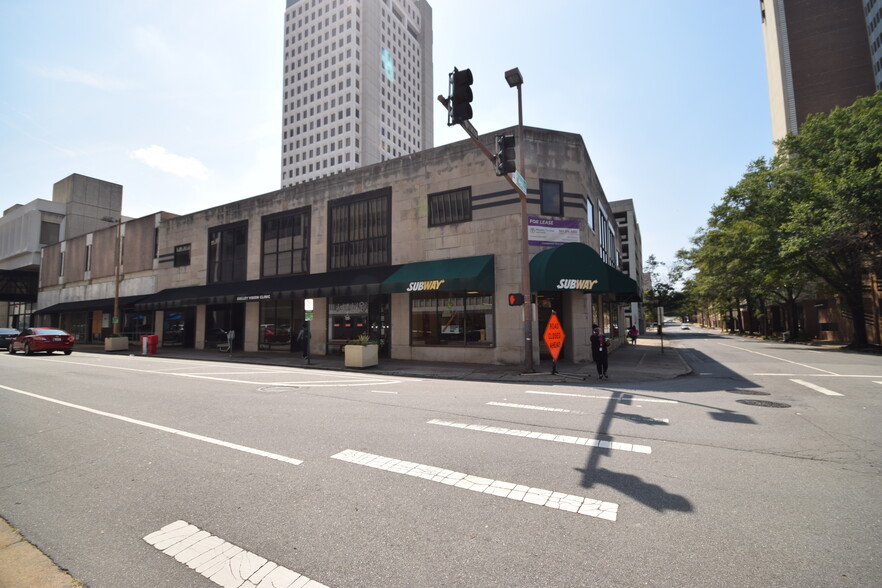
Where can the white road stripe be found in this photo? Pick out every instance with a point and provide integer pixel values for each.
(816, 388)
(820, 375)
(811, 367)
(533, 407)
(628, 397)
(132, 421)
(538, 496)
(223, 563)
(546, 436)
(383, 392)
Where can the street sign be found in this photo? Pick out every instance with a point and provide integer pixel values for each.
(554, 336)
(518, 179)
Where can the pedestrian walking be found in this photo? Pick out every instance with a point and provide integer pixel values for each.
(632, 334)
(600, 352)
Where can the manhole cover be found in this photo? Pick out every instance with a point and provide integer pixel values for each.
(750, 392)
(277, 389)
(764, 403)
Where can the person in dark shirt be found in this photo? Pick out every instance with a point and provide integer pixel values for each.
(600, 352)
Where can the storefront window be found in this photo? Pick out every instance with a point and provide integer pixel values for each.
(451, 318)
(278, 326)
(347, 318)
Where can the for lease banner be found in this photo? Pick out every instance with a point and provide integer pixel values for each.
(548, 232)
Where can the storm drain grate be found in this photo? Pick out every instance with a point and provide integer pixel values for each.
(750, 392)
(765, 403)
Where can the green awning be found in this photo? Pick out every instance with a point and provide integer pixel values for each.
(462, 273)
(575, 266)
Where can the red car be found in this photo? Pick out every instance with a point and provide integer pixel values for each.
(42, 339)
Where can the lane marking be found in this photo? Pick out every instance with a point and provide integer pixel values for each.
(628, 397)
(533, 407)
(221, 562)
(546, 436)
(537, 496)
(811, 367)
(819, 375)
(816, 388)
(383, 392)
(337, 380)
(163, 428)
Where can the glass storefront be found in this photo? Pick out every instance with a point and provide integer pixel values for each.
(280, 324)
(451, 318)
(351, 316)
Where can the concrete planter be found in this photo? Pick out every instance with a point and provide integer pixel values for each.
(360, 356)
(116, 344)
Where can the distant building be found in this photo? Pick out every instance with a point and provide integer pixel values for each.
(357, 84)
(819, 54)
(79, 205)
(632, 255)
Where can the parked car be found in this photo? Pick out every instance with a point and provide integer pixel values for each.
(7, 335)
(45, 339)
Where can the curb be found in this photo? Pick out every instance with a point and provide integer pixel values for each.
(23, 564)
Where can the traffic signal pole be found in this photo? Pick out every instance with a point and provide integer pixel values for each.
(525, 248)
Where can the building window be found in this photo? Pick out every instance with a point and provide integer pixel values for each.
(228, 253)
(360, 229)
(87, 265)
(551, 194)
(590, 213)
(182, 255)
(451, 318)
(49, 233)
(450, 207)
(285, 243)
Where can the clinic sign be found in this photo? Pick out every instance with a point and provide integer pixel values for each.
(550, 232)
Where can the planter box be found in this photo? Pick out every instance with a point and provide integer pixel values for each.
(360, 356)
(116, 344)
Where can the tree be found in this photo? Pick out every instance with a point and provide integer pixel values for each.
(830, 177)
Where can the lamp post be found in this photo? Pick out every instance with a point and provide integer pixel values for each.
(115, 318)
(515, 79)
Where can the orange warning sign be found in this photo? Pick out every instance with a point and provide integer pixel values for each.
(554, 336)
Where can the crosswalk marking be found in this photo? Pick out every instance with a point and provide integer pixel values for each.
(519, 492)
(816, 388)
(533, 407)
(223, 563)
(623, 397)
(546, 436)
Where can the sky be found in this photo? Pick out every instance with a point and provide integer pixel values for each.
(180, 101)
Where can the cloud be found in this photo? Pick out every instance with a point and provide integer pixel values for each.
(85, 78)
(157, 157)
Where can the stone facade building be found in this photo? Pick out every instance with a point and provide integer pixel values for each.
(419, 253)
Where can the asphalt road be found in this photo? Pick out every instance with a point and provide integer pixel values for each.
(693, 487)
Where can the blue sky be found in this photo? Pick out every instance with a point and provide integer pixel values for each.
(180, 100)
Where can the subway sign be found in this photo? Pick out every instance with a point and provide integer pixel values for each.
(570, 284)
(424, 285)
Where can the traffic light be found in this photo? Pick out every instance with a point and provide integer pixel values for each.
(460, 97)
(515, 299)
(505, 155)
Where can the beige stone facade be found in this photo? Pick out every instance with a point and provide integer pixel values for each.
(215, 270)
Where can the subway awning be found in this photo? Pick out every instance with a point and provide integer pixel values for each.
(361, 281)
(576, 266)
(461, 273)
(102, 304)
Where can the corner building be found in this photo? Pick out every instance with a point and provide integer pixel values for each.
(357, 84)
(420, 253)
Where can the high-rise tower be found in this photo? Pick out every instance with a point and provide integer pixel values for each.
(818, 56)
(357, 84)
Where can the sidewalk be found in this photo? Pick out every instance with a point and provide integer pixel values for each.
(647, 360)
(22, 564)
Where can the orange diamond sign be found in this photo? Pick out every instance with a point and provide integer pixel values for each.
(554, 336)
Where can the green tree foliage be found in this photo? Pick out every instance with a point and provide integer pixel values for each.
(815, 212)
(833, 173)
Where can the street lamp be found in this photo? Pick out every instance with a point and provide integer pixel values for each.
(515, 79)
(115, 319)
